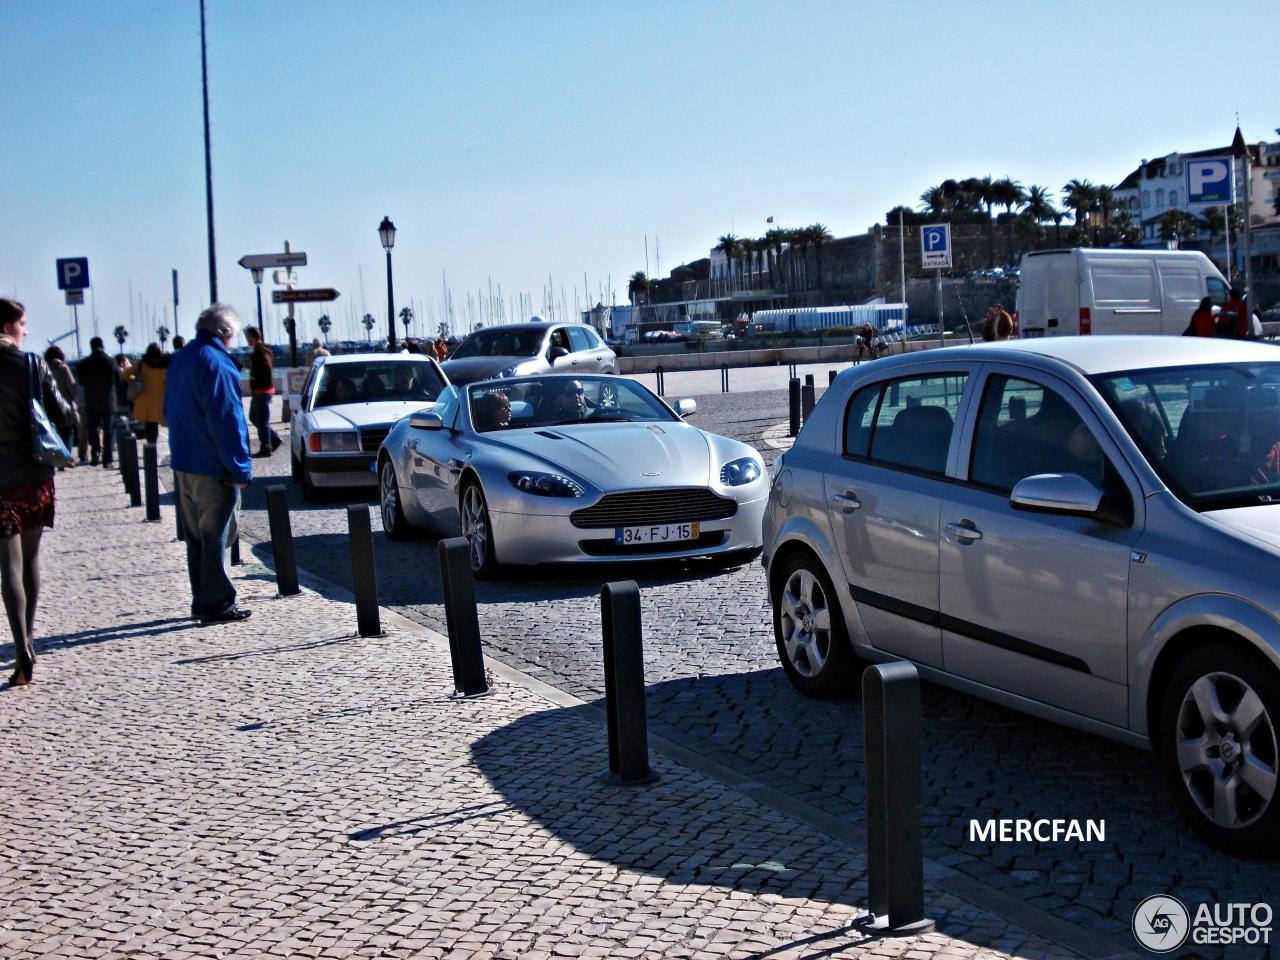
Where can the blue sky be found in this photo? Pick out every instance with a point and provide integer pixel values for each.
(512, 142)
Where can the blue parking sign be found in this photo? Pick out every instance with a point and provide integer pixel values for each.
(1209, 180)
(935, 245)
(73, 273)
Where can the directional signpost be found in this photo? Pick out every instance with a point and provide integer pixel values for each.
(266, 261)
(318, 295)
(935, 252)
(73, 277)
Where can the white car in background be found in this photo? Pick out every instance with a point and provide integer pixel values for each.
(347, 407)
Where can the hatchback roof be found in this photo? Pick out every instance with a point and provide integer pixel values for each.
(1106, 354)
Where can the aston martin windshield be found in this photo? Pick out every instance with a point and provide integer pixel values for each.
(1212, 432)
(559, 400)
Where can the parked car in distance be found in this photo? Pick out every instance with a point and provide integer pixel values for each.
(1085, 529)
(564, 469)
(1096, 291)
(517, 349)
(347, 406)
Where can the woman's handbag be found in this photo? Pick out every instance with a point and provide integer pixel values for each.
(46, 445)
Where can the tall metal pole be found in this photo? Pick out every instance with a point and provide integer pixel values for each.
(208, 163)
(75, 316)
(175, 302)
(902, 263)
(391, 309)
(257, 284)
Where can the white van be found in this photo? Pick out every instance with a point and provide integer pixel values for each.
(1088, 291)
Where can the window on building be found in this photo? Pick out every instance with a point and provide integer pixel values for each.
(1173, 198)
(1160, 198)
(1146, 198)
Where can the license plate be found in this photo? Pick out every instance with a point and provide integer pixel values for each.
(656, 533)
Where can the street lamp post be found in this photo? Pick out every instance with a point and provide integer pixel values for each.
(257, 283)
(387, 232)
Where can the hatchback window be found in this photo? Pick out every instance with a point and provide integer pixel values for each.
(859, 419)
(578, 340)
(1026, 429)
(914, 422)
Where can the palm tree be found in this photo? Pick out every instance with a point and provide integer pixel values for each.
(324, 323)
(121, 335)
(368, 322)
(731, 246)
(1081, 196)
(934, 202)
(163, 333)
(775, 237)
(984, 192)
(1008, 193)
(1105, 194)
(1125, 230)
(1215, 221)
(1176, 226)
(818, 234)
(638, 288)
(406, 317)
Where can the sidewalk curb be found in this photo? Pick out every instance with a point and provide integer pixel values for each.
(1032, 919)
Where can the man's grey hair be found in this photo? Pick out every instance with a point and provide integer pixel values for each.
(219, 319)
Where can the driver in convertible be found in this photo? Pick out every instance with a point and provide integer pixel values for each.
(567, 401)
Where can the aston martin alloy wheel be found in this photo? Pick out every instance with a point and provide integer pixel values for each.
(477, 529)
(394, 523)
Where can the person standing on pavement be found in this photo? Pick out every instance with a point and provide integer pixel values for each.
(317, 350)
(1233, 319)
(261, 391)
(1202, 321)
(148, 401)
(66, 381)
(26, 484)
(99, 377)
(209, 452)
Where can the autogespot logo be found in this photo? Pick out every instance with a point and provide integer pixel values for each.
(1161, 923)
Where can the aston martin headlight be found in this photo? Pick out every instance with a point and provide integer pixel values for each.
(544, 484)
(338, 441)
(743, 470)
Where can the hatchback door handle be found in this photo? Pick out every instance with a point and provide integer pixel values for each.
(848, 501)
(965, 530)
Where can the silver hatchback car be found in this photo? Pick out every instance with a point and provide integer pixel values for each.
(1085, 528)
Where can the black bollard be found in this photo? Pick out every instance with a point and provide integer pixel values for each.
(624, 684)
(151, 477)
(895, 836)
(793, 407)
(131, 471)
(724, 378)
(363, 573)
(281, 541)
(179, 533)
(831, 377)
(791, 371)
(460, 618)
(120, 434)
(807, 400)
(662, 387)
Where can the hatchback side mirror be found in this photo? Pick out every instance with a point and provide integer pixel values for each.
(426, 420)
(1056, 493)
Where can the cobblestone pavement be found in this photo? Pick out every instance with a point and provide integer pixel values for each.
(715, 685)
(280, 788)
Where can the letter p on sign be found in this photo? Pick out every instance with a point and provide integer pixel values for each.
(1209, 180)
(73, 273)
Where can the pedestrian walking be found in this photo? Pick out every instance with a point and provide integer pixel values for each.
(99, 377)
(209, 452)
(261, 390)
(146, 381)
(1233, 319)
(441, 349)
(26, 484)
(1202, 320)
(317, 350)
(66, 381)
(179, 341)
(865, 343)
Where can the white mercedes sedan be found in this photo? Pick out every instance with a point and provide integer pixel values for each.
(348, 406)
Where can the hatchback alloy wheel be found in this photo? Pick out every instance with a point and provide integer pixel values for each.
(809, 630)
(1227, 750)
(806, 623)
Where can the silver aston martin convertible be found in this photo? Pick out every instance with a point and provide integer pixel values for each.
(562, 469)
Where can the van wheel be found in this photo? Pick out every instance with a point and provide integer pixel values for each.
(1218, 739)
(809, 629)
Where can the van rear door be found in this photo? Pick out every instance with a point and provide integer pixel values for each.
(1123, 294)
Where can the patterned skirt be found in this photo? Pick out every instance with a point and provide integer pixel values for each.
(26, 507)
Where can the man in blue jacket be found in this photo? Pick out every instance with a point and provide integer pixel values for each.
(209, 451)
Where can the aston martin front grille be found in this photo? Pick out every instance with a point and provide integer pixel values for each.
(666, 505)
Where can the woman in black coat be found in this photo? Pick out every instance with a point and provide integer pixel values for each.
(26, 485)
